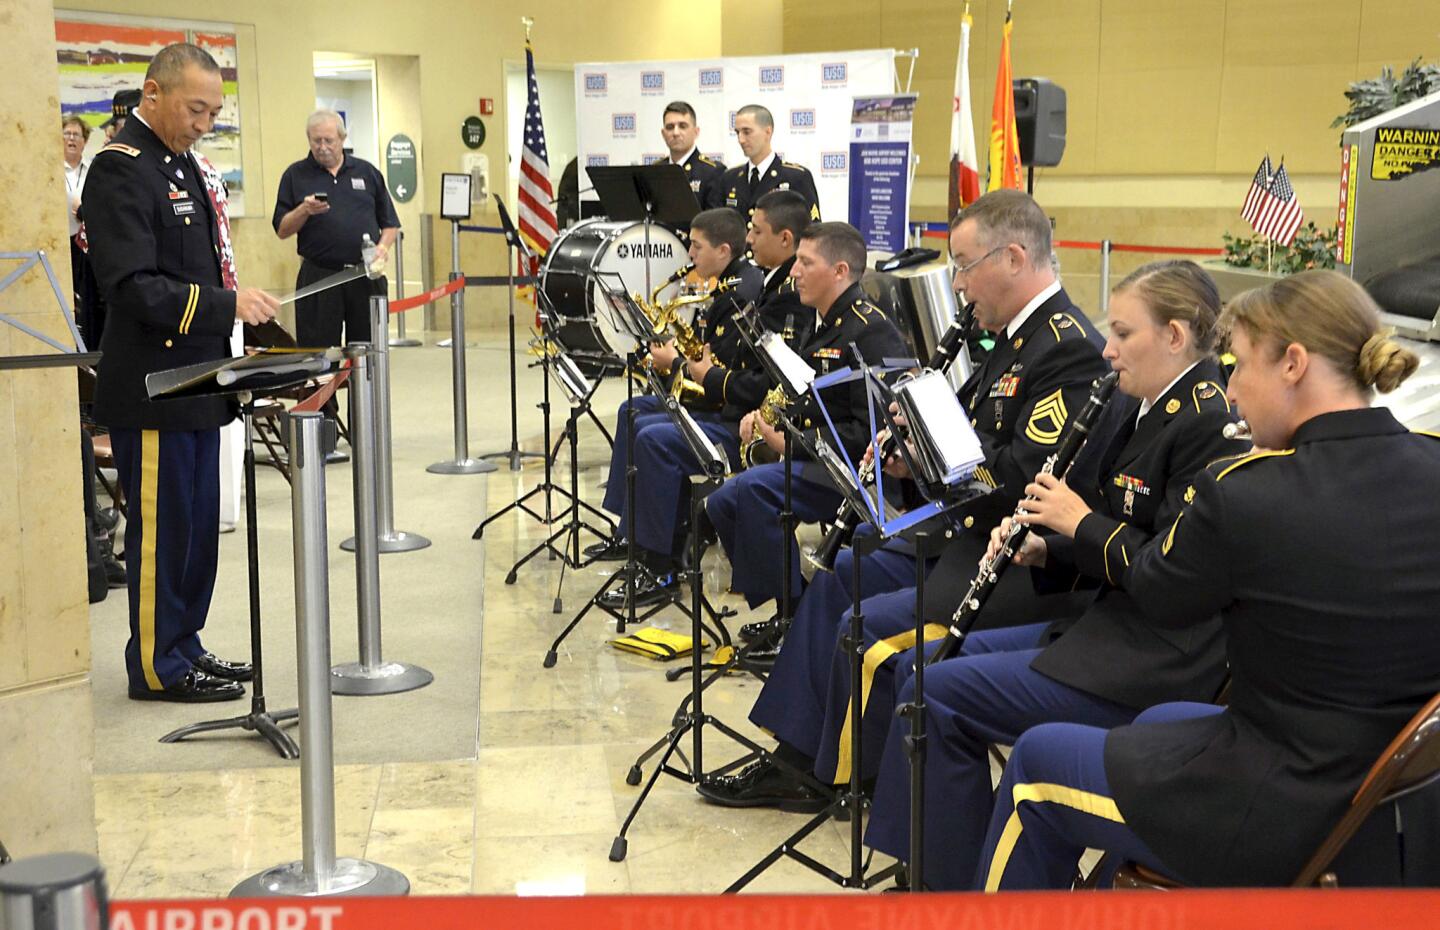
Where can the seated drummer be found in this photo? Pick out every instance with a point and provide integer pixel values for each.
(1139, 461)
(744, 512)
(1318, 555)
(717, 248)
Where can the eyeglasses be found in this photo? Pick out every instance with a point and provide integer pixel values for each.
(71, 135)
(965, 270)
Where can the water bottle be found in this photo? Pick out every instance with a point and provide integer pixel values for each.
(367, 256)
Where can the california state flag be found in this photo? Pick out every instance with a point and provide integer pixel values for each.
(964, 168)
(1004, 138)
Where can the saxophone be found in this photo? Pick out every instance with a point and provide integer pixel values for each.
(666, 317)
(756, 451)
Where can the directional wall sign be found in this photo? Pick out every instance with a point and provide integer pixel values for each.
(400, 173)
(472, 132)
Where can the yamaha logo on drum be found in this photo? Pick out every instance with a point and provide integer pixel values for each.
(712, 79)
(772, 77)
(834, 163)
(597, 84)
(652, 82)
(597, 161)
(642, 250)
(622, 124)
(834, 74)
(802, 120)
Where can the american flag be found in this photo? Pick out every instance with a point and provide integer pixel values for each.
(1271, 207)
(537, 214)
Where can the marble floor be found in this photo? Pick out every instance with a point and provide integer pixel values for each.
(501, 778)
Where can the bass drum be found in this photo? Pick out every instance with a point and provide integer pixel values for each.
(585, 324)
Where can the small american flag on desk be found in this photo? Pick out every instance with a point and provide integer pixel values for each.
(1271, 207)
(537, 213)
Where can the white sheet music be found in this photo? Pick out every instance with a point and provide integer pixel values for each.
(943, 425)
(798, 375)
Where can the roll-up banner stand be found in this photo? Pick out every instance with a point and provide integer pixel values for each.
(881, 132)
(619, 109)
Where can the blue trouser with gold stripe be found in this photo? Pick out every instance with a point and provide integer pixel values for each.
(745, 512)
(1055, 802)
(647, 412)
(989, 694)
(171, 480)
(663, 460)
(792, 703)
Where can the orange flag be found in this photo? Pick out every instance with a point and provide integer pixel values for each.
(1004, 138)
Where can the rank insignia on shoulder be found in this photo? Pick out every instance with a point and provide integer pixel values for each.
(1172, 406)
(1206, 391)
(123, 149)
(1047, 420)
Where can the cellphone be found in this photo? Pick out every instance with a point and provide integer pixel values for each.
(322, 197)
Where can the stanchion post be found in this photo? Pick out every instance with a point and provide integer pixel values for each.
(462, 464)
(372, 674)
(400, 341)
(319, 872)
(389, 538)
(1104, 275)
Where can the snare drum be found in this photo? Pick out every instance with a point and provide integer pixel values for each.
(585, 324)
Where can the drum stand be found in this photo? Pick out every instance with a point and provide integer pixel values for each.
(259, 720)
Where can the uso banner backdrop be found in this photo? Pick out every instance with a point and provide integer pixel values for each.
(880, 169)
(619, 108)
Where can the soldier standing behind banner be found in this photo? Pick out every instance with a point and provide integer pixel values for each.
(763, 170)
(154, 246)
(680, 131)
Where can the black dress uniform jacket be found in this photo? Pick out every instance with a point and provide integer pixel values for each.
(740, 285)
(736, 191)
(1019, 400)
(1320, 561)
(740, 386)
(852, 321)
(704, 176)
(1140, 480)
(154, 245)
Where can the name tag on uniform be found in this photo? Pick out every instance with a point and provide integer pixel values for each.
(183, 207)
(358, 183)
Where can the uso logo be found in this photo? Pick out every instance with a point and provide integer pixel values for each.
(650, 159)
(652, 82)
(772, 77)
(712, 79)
(802, 120)
(833, 163)
(622, 124)
(596, 83)
(597, 161)
(732, 120)
(834, 74)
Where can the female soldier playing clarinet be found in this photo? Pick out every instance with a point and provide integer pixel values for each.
(1318, 556)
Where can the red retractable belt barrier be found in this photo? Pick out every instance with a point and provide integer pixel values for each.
(430, 296)
(1130, 910)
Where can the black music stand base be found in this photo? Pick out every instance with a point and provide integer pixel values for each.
(259, 720)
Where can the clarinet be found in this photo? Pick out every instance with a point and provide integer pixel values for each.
(847, 518)
(988, 577)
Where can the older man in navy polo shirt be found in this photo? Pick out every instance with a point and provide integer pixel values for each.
(332, 200)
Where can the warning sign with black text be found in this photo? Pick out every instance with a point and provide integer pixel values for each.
(1401, 152)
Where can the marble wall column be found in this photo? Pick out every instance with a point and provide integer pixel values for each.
(47, 729)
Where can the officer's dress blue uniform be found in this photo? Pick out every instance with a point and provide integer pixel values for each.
(1020, 398)
(1101, 667)
(154, 246)
(744, 511)
(662, 457)
(1327, 595)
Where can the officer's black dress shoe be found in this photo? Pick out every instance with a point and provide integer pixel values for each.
(195, 688)
(750, 631)
(114, 571)
(221, 668)
(613, 550)
(647, 592)
(108, 518)
(763, 655)
(763, 784)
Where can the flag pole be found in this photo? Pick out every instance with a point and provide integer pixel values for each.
(528, 21)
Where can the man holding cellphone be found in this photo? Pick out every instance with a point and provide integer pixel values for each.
(331, 200)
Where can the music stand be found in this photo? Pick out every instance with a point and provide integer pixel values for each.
(648, 194)
(262, 374)
(521, 251)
